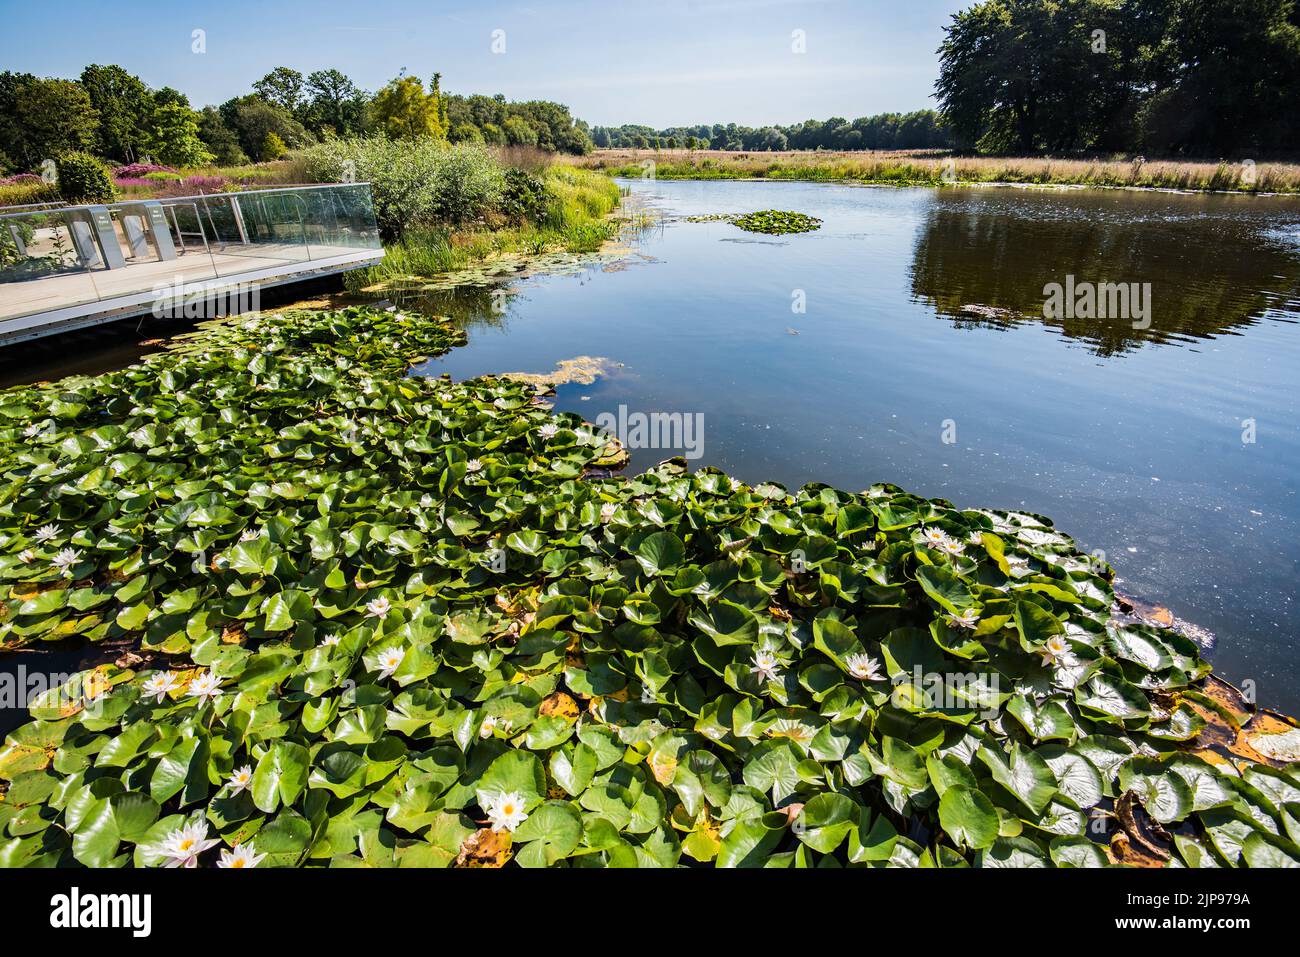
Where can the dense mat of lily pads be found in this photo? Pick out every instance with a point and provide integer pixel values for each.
(391, 621)
(774, 222)
(777, 222)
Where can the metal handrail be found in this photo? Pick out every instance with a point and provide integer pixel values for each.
(171, 205)
(168, 199)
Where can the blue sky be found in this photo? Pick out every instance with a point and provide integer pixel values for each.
(672, 62)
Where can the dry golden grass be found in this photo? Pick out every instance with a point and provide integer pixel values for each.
(934, 167)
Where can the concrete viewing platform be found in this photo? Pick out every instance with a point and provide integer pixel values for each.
(70, 267)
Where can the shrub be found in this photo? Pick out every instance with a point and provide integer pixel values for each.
(84, 179)
(468, 183)
(273, 147)
(419, 182)
(139, 170)
(523, 196)
(25, 189)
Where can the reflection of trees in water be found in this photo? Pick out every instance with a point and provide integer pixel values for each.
(466, 305)
(1208, 274)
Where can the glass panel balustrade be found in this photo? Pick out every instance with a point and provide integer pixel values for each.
(53, 259)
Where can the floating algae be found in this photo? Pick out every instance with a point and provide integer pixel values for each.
(580, 370)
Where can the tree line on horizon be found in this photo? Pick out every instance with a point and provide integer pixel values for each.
(114, 114)
(1167, 77)
(921, 129)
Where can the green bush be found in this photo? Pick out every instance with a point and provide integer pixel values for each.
(415, 183)
(523, 196)
(468, 183)
(27, 192)
(84, 179)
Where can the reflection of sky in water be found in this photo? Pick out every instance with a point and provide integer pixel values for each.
(1130, 440)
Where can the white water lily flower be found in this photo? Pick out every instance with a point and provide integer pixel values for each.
(505, 811)
(766, 665)
(329, 641)
(951, 546)
(549, 430)
(248, 534)
(934, 536)
(204, 686)
(864, 668)
(968, 618)
(473, 465)
(27, 556)
(47, 533)
(182, 847)
(607, 512)
(242, 855)
(390, 659)
(160, 684)
(379, 608)
(1054, 650)
(32, 430)
(65, 559)
(241, 779)
(491, 723)
(975, 538)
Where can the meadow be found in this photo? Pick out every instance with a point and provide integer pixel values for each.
(938, 167)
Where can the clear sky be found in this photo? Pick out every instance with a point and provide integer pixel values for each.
(665, 63)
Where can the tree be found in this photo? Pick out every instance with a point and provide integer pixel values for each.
(47, 117)
(464, 133)
(519, 132)
(172, 136)
(273, 147)
(402, 110)
(334, 103)
(1227, 74)
(219, 139)
(282, 87)
(123, 101)
(251, 118)
(1195, 76)
(12, 135)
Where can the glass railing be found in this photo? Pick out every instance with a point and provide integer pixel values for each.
(67, 257)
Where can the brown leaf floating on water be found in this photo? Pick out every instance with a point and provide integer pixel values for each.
(484, 848)
(561, 705)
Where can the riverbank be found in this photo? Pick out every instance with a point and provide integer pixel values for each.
(431, 632)
(575, 215)
(933, 168)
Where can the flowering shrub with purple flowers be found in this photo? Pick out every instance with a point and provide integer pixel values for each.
(137, 171)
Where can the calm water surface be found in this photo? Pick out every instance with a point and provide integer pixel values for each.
(1131, 440)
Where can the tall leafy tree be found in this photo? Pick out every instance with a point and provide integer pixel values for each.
(334, 102)
(123, 102)
(219, 139)
(403, 110)
(172, 136)
(252, 118)
(283, 87)
(45, 118)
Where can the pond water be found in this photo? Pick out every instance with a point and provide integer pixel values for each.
(905, 341)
